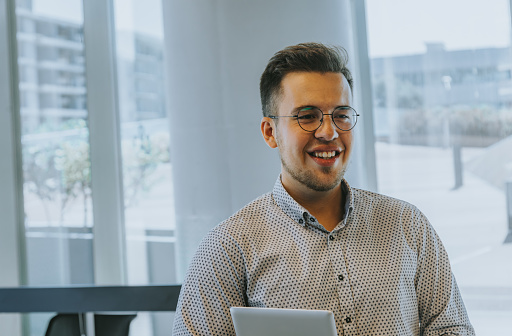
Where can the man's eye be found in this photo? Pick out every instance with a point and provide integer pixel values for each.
(307, 116)
(341, 116)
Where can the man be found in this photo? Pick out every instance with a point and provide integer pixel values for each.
(314, 242)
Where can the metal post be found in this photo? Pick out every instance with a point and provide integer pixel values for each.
(508, 193)
(457, 166)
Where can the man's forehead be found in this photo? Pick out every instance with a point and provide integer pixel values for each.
(315, 83)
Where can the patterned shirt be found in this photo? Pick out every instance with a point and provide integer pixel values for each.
(381, 271)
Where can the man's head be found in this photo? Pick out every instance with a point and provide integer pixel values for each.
(308, 77)
(303, 57)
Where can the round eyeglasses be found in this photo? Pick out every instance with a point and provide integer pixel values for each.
(311, 118)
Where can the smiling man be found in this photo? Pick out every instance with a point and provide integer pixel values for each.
(314, 242)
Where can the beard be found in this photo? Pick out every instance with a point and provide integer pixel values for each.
(312, 180)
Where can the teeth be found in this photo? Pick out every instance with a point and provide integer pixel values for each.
(325, 155)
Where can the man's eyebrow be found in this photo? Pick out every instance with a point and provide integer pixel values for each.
(344, 107)
(297, 109)
(304, 107)
(310, 107)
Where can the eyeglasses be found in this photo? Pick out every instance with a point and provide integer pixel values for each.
(311, 118)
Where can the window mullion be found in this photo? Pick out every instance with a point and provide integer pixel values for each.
(12, 237)
(107, 194)
(364, 96)
(11, 185)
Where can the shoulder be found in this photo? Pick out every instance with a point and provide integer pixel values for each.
(252, 218)
(391, 215)
(235, 239)
(386, 205)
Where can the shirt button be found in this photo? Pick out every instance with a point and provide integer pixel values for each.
(341, 277)
(348, 320)
(301, 221)
(312, 220)
(331, 237)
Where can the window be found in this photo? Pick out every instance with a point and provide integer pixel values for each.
(443, 123)
(147, 170)
(55, 150)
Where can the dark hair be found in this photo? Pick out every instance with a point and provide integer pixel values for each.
(303, 57)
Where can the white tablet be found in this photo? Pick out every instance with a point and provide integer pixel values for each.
(249, 321)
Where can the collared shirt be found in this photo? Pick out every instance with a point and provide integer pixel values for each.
(381, 271)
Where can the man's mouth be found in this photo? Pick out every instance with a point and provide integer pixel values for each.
(325, 155)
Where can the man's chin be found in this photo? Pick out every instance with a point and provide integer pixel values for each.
(322, 180)
(326, 182)
(321, 183)
(322, 187)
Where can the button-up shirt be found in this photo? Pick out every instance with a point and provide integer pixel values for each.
(381, 271)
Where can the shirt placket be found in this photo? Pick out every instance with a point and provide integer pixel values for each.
(336, 248)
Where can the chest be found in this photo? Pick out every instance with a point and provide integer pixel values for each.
(323, 271)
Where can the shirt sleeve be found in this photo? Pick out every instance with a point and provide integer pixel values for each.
(215, 281)
(440, 306)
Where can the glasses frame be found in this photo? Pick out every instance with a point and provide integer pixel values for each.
(322, 120)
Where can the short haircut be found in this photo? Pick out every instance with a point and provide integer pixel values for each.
(303, 57)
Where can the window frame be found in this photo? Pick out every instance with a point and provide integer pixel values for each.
(11, 180)
(364, 96)
(109, 251)
(12, 251)
(105, 150)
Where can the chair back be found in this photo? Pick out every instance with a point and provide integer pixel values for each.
(104, 325)
(64, 324)
(112, 325)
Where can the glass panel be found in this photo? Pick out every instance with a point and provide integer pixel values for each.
(442, 90)
(55, 146)
(149, 201)
(147, 174)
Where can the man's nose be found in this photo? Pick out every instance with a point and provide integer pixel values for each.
(327, 130)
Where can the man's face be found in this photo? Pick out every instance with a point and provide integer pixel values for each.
(307, 158)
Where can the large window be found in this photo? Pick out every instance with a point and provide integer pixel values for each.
(57, 156)
(147, 175)
(55, 146)
(148, 190)
(442, 100)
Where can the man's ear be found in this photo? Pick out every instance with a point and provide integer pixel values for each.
(268, 131)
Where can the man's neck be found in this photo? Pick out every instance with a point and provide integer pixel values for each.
(326, 206)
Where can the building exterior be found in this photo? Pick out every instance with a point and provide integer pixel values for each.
(52, 73)
(427, 98)
(440, 78)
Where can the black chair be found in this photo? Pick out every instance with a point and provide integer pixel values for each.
(104, 325)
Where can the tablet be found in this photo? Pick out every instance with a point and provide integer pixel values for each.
(250, 321)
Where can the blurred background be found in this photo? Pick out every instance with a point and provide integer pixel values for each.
(130, 128)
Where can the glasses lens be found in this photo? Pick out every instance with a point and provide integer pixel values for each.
(309, 118)
(345, 118)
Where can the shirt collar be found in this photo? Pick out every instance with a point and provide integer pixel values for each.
(298, 213)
